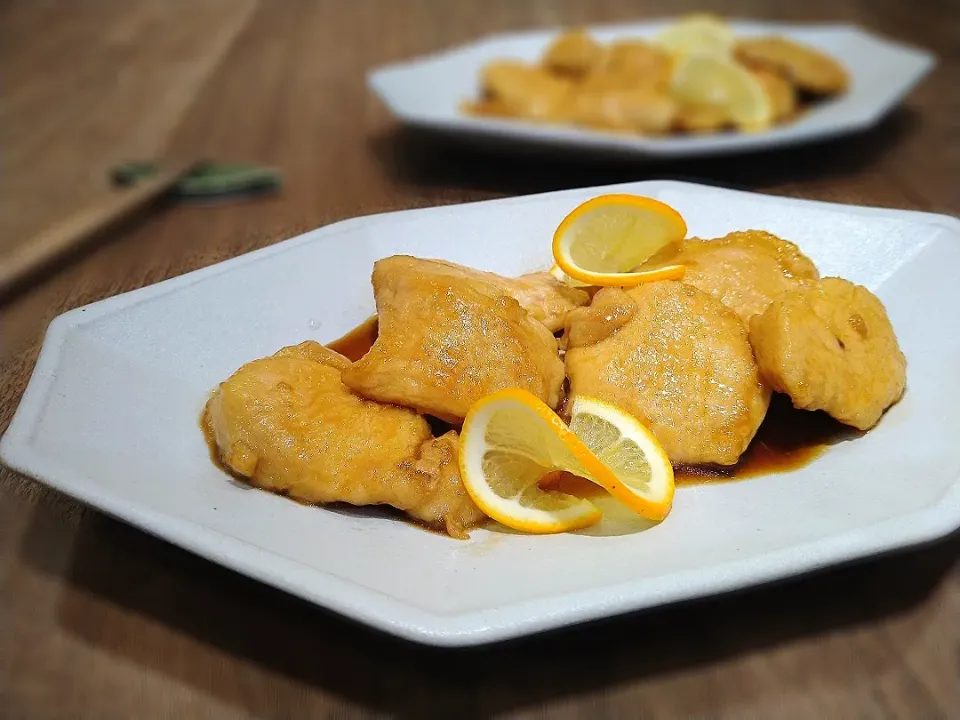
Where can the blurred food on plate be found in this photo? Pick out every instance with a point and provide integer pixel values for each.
(694, 76)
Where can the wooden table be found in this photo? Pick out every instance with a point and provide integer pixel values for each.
(99, 620)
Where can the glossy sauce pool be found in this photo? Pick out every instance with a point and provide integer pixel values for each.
(788, 439)
(355, 344)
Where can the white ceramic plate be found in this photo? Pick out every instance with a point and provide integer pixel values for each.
(427, 92)
(111, 417)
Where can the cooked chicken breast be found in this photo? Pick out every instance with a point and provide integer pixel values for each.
(448, 337)
(638, 109)
(830, 346)
(701, 118)
(287, 424)
(675, 358)
(804, 66)
(523, 90)
(540, 294)
(744, 270)
(574, 54)
(637, 64)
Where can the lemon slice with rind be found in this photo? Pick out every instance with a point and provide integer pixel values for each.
(699, 34)
(643, 474)
(603, 241)
(511, 440)
(718, 82)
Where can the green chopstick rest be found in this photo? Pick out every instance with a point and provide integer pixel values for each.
(206, 179)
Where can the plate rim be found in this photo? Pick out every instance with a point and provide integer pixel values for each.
(378, 80)
(407, 620)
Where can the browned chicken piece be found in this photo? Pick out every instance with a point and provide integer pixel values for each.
(448, 337)
(526, 91)
(486, 106)
(782, 95)
(701, 118)
(830, 346)
(638, 64)
(676, 359)
(574, 54)
(610, 310)
(641, 110)
(745, 270)
(807, 68)
(625, 90)
(289, 425)
(540, 294)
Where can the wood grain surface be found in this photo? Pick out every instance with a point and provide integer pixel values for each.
(100, 620)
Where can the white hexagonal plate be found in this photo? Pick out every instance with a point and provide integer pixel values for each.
(111, 417)
(427, 92)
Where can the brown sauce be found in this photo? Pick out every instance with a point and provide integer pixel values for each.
(788, 439)
(356, 343)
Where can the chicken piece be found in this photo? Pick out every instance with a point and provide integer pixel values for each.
(782, 95)
(627, 91)
(745, 270)
(642, 110)
(540, 294)
(701, 118)
(434, 492)
(807, 68)
(676, 359)
(610, 310)
(288, 425)
(448, 337)
(573, 54)
(487, 106)
(525, 91)
(830, 346)
(639, 64)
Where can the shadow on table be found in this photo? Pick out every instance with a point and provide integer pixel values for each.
(115, 567)
(423, 158)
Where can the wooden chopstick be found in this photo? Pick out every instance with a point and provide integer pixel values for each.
(80, 227)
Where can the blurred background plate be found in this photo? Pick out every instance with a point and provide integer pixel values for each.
(427, 92)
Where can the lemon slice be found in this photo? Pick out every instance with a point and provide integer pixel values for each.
(603, 240)
(699, 34)
(625, 446)
(511, 440)
(706, 80)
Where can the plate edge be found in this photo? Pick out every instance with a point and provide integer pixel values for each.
(482, 627)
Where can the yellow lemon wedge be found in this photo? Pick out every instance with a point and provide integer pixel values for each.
(699, 34)
(719, 82)
(602, 241)
(511, 440)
